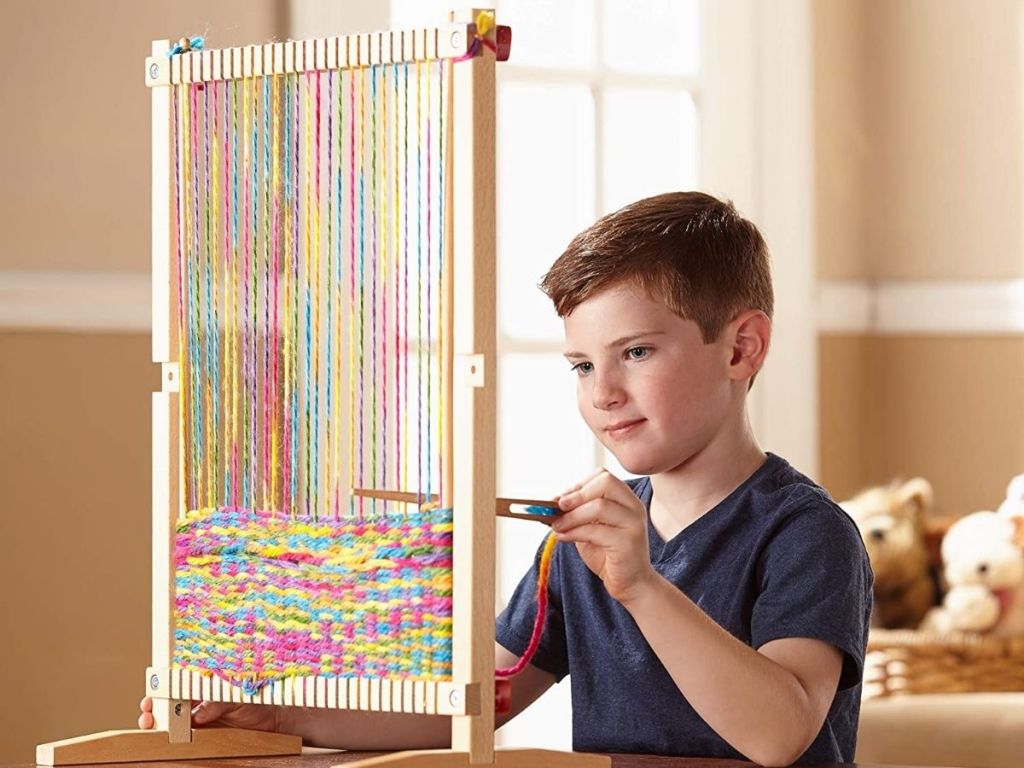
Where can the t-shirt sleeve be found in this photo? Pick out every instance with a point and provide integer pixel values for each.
(815, 582)
(514, 625)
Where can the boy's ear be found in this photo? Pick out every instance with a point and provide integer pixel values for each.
(750, 332)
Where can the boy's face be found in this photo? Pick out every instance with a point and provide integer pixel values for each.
(648, 386)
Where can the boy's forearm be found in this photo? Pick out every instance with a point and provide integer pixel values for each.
(365, 731)
(756, 705)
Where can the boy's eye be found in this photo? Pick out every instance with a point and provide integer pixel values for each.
(638, 353)
(583, 368)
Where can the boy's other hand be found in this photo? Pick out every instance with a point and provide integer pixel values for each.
(257, 717)
(608, 524)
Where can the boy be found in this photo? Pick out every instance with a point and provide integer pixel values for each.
(717, 606)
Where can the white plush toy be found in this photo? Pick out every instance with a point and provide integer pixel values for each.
(1013, 504)
(983, 559)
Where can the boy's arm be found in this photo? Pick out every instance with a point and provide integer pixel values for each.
(769, 704)
(364, 731)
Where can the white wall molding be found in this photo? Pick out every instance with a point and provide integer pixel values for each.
(82, 302)
(930, 308)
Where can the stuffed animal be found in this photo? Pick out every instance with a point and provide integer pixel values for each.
(891, 520)
(1013, 504)
(983, 557)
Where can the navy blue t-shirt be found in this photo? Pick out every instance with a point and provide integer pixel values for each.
(776, 558)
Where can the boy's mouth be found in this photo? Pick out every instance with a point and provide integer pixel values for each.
(623, 428)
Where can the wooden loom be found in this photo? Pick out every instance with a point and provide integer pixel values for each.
(469, 380)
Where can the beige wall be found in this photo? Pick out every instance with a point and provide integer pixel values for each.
(75, 408)
(75, 469)
(920, 176)
(945, 408)
(74, 193)
(919, 158)
(841, 143)
(944, 100)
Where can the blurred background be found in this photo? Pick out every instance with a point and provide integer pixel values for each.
(877, 143)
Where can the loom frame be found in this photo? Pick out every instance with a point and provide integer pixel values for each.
(470, 379)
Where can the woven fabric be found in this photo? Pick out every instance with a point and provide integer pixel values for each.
(261, 596)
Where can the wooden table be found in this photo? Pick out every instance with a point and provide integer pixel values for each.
(327, 758)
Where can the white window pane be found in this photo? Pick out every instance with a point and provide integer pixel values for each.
(652, 35)
(550, 34)
(406, 14)
(546, 724)
(650, 144)
(544, 446)
(545, 195)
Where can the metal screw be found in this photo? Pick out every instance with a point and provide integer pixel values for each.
(154, 71)
(154, 682)
(456, 39)
(177, 709)
(454, 698)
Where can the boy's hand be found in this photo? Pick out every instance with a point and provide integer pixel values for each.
(608, 524)
(257, 717)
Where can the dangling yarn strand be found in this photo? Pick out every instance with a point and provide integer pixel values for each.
(374, 260)
(543, 574)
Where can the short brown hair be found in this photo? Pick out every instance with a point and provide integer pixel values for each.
(688, 249)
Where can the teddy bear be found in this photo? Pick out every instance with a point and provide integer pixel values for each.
(891, 520)
(983, 558)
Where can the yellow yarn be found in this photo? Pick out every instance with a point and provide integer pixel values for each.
(211, 494)
(275, 429)
(356, 139)
(186, 239)
(484, 22)
(289, 362)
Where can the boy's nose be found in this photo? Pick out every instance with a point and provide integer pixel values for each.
(607, 394)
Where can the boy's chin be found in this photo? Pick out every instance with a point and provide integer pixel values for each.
(636, 465)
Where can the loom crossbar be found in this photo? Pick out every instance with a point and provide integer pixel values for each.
(370, 694)
(298, 56)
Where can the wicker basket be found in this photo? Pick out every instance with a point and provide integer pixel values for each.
(901, 661)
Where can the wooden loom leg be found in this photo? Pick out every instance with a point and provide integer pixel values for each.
(140, 746)
(503, 758)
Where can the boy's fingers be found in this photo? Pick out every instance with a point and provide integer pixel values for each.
(146, 705)
(579, 492)
(582, 482)
(603, 511)
(592, 533)
(604, 485)
(146, 721)
(208, 711)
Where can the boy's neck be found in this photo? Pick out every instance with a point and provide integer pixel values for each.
(685, 493)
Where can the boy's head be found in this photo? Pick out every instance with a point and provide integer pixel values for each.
(689, 250)
(666, 305)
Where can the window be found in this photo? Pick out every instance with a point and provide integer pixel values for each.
(602, 102)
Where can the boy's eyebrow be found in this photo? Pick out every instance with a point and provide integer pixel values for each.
(619, 342)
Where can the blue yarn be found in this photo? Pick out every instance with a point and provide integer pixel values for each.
(545, 511)
(195, 43)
